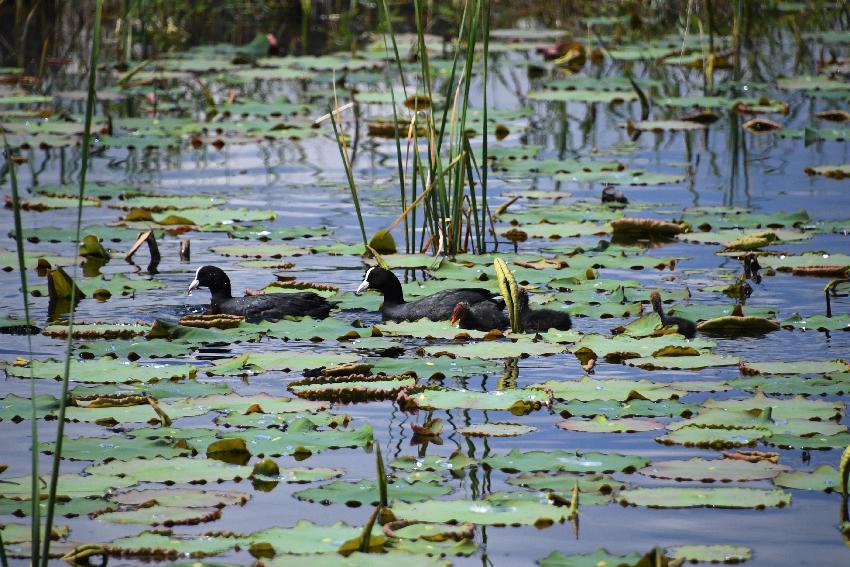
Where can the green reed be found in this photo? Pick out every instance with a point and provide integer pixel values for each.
(35, 492)
(60, 423)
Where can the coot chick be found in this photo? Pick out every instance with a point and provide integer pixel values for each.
(265, 307)
(483, 316)
(685, 327)
(611, 194)
(540, 319)
(436, 307)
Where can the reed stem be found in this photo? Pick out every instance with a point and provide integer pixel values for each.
(60, 424)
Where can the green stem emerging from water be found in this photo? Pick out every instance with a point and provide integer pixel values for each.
(60, 424)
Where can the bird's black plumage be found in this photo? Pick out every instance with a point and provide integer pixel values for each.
(685, 327)
(540, 319)
(482, 316)
(436, 307)
(265, 307)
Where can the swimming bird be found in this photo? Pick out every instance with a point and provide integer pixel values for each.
(482, 316)
(540, 319)
(436, 307)
(263, 307)
(685, 327)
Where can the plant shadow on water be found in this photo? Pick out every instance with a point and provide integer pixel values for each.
(340, 138)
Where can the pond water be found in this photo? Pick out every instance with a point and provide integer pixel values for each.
(303, 182)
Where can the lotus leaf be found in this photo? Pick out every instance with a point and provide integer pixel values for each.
(15, 408)
(495, 349)
(170, 471)
(636, 407)
(258, 362)
(352, 388)
(464, 547)
(436, 367)
(781, 408)
(72, 485)
(714, 438)
(157, 515)
(103, 371)
(483, 512)
(801, 367)
(115, 447)
(589, 389)
(366, 492)
(712, 470)
(564, 461)
(495, 429)
(710, 553)
(189, 497)
(621, 347)
(455, 462)
(590, 96)
(564, 482)
(683, 362)
(601, 424)
(822, 478)
(518, 400)
(168, 545)
(599, 558)
(678, 497)
(839, 322)
(811, 441)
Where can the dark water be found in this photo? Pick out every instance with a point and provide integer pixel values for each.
(304, 183)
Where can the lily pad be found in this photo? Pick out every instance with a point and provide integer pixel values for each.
(366, 492)
(712, 470)
(823, 478)
(678, 497)
(592, 462)
(495, 429)
(601, 424)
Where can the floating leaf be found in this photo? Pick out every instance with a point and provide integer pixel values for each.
(823, 478)
(712, 470)
(678, 497)
(710, 553)
(495, 429)
(533, 461)
(366, 492)
(519, 401)
(601, 424)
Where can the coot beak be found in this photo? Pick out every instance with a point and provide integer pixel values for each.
(457, 313)
(193, 286)
(364, 285)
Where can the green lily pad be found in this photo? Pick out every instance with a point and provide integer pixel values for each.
(16, 408)
(564, 482)
(495, 429)
(711, 470)
(599, 558)
(455, 462)
(838, 322)
(483, 512)
(715, 438)
(496, 349)
(520, 400)
(620, 347)
(436, 367)
(801, 367)
(601, 424)
(823, 478)
(259, 362)
(589, 389)
(426, 329)
(115, 447)
(534, 461)
(278, 250)
(170, 471)
(71, 484)
(632, 408)
(683, 362)
(104, 371)
(189, 497)
(811, 83)
(679, 497)
(170, 545)
(161, 515)
(608, 97)
(710, 553)
(366, 492)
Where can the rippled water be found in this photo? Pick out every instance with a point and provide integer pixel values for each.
(305, 184)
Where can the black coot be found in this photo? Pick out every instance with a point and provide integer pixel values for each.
(436, 307)
(482, 316)
(685, 327)
(267, 307)
(540, 319)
